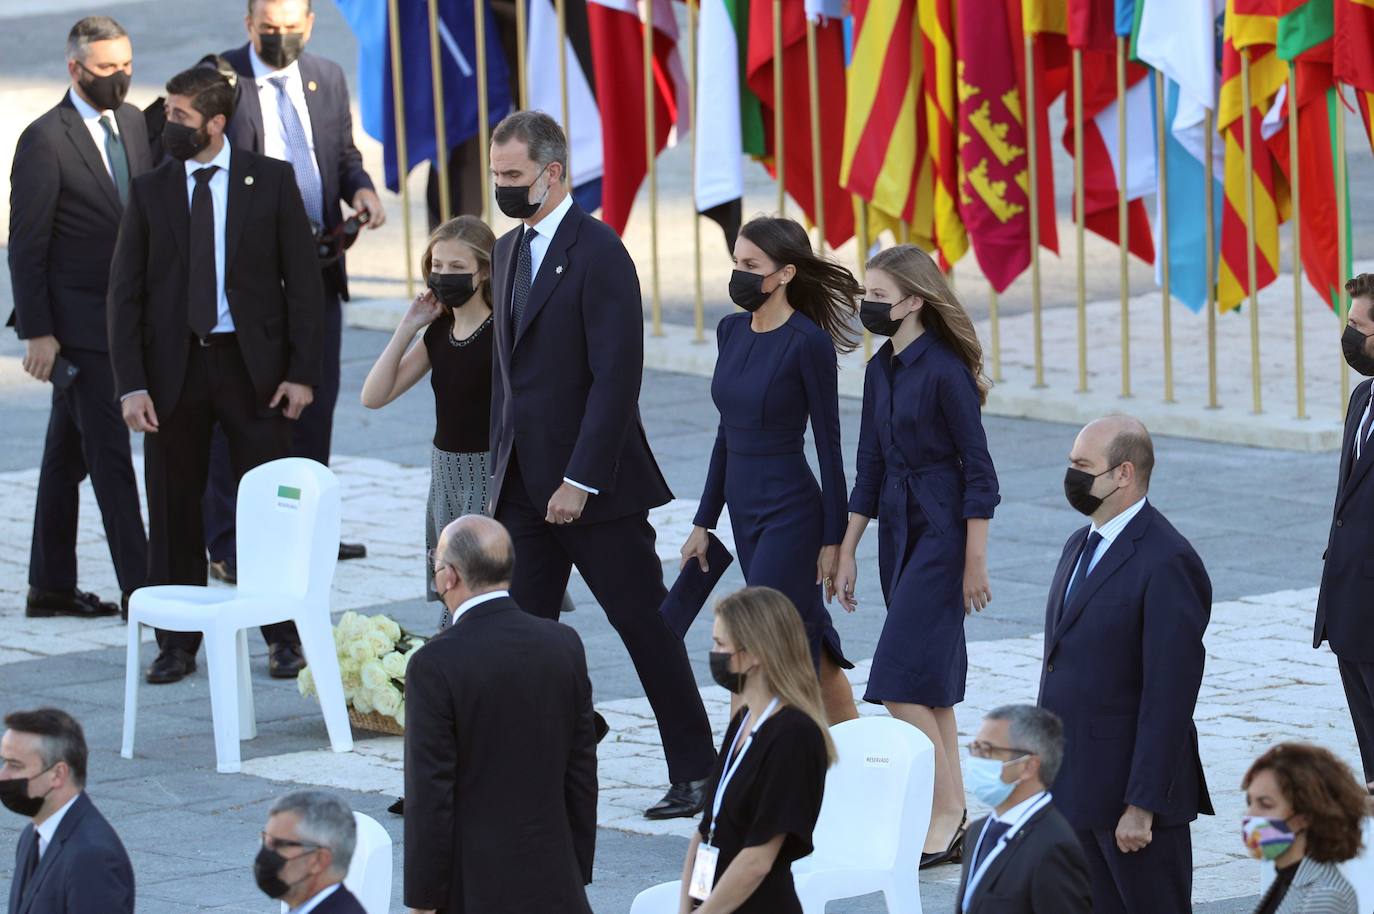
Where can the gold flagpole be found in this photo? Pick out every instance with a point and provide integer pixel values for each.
(1123, 227)
(1078, 208)
(698, 306)
(862, 235)
(1161, 158)
(1342, 238)
(778, 140)
(656, 303)
(479, 19)
(1296, 184)
(904, 232)
(561, 14)
(522, 52)
(440, 129)
(1251, 271)
(995, 333)
(1033, 193)
(817, 182)
(402, 160)
(1209, 201)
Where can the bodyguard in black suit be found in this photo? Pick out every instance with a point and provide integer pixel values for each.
(68, 859)
(1123, 662)
(1343, 604)
(70, 178)
(573, 478)
(500, 748)
(214, 316)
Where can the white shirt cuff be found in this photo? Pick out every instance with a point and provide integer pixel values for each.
(132, 393)
(589, 489)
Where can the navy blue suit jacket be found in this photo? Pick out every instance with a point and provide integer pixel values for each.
(341, 902)
(1344, 604)
(85, 869)
(331, 124)
(1123, 663)
(565, 383)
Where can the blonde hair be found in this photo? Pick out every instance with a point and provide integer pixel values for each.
(474, 233)
(917, 275)
(763, 622)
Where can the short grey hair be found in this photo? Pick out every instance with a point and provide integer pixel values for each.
(325, 819)
(481, 550)
(1038, 731)
(91, 29)
(541, 135)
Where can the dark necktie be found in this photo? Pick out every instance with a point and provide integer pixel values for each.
(30, 866)
(1085, 559)
(994, 830)
(1364, 430)
(119, 162)
(521, 294)
(202, 291)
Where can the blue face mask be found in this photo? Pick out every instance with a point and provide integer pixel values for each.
(983, 777)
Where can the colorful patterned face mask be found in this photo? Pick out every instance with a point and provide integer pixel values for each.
(1266, 838)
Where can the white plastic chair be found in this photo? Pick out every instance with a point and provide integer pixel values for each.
(1358, 871)
(872, 824)
(369, 874)
(288, 540)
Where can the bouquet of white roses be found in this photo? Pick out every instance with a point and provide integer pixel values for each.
(373, 654)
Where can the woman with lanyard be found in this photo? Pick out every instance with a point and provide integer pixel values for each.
(766, 788)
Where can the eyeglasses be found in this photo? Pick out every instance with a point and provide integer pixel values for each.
(277, 844)
(980, 749)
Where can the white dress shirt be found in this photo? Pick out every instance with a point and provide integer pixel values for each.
(478, 601)
(48, 830)
(219, 193)
(1014, 815)
(315, 900)
(1109, 532)
(273, 133)
(1359, 442)
(91, 118)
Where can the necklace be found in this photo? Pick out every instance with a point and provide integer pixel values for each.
(453, 341)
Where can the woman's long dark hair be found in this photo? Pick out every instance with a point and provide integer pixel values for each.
(822, 289)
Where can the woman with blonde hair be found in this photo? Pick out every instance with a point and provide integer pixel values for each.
(764, 794)
(923, 468)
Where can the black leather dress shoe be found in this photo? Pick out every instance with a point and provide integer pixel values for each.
(398, 808)
(124, 606)
(352, 551)
(226, 571)
(684, 799)
(284, 660)
(43, 604)
(172, 665)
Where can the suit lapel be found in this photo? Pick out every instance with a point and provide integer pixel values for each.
(310, 84)
(178, 205)
(1352, 470)
(1055, 613)
(999, 863)
(130, 119)
(54, 850)
(1121, 549)
(501, 283)
(551, 270)
(240, 197)
(80, 137)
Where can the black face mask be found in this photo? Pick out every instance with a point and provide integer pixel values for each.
(107, 92)
(452, 289)
(720, 672)
(280, 49)
(182, 142)
(1352, 347)
(876, 317)
(514, 199)
(746, 289)
(267, 867)
(14, 796)
(1078, 489)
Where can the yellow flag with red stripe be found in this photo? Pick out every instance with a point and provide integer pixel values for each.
(941, 102)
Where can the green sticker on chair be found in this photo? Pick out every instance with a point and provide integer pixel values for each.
(290, 492)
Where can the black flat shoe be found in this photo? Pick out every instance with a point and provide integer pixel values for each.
(398, 808)
(226, 571)
(684, 799)
(44, 604)
(171, 665)
(952, 854)
(599, 726)
(284, 660)
(352, 551)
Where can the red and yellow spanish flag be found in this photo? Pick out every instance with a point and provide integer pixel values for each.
(941, 106)
(1251, 26)
(1353, 54)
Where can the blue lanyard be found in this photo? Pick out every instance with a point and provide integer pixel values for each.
(730, 768)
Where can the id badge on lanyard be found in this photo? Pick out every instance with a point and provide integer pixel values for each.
(703, 872)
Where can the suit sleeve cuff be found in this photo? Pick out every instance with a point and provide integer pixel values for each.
(132, 393)
(576, 484)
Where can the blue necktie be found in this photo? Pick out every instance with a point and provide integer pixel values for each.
(521, 294)
(298, 152)
(994, 830)
(1084, 560)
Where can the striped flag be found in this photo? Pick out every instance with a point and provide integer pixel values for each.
(545, 94)
(939, 77)
(730, 124)
(1353, 52)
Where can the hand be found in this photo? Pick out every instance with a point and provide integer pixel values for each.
(695, 548)
(825, 568)
(139, 414)
(423, 311)
(297, 397)
(1133, 831)
(846, 577)
(369, 201)
(977, 589)
(39, 354)
(566, 505)
(423, 911)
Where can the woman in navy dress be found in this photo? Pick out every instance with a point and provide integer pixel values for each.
(776, 369)
(923, 468)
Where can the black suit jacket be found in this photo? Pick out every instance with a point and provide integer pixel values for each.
(64, 216)
(85, 869)
(1041, 870)
(341, 902)
(500, 767)
(331, 126)
(1123, 663)
(272, 281)
(1344, 603)
(565, 385)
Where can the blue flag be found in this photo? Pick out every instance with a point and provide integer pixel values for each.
(367, 19)
(1187, 194)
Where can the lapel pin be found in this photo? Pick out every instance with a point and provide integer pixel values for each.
(558, 270)
(312, 85)
(248, 179)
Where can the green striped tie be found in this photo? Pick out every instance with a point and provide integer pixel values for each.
(119, 162)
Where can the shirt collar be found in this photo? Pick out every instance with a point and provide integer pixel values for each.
(84, 108)
(478, 601)
(550, 223)
(48, 830)
(1112, 528)
(221, 159)
(1011, 816)
(314, 901)
(914, 349)
(262, 71)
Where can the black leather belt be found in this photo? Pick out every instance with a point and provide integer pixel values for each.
(216, 339)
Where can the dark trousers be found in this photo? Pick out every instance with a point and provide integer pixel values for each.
(176, 461)
(1156, 880)
(1358, 679)
(310, 437)
(619, 564)
(86, 436)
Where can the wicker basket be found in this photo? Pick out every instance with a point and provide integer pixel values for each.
(375, 722)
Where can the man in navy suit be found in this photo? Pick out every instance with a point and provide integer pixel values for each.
(293, 105)
(573, 478)
(1123, 662)
(68, 859)
(306, 849)
(1343, 616)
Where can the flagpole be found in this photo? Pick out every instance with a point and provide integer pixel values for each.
(656, 303)
(1296, 184)
(402, 160)
(778, 141)
(479, 19)
(995, 334)
(1251, 271)
(904, 232)
(698, 306)
(440, 129)
(1078, 207)
(522, 52)
(1342, 239)
(813, 80)
(1123, 226)
(561, 14)
(1209, 194)
(1161, 158)
(1033, 193)
(862, 236)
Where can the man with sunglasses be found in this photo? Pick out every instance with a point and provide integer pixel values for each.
(306, 849)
